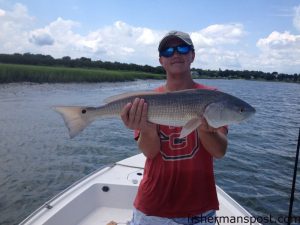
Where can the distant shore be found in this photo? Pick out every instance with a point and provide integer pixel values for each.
(11, 73)
(14, 73)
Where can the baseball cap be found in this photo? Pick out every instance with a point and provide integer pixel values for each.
(175, 34)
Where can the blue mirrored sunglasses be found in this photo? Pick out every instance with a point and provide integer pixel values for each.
(181, 49)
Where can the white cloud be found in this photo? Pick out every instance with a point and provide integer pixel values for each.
(210, 43)
(17, 18)
(280, 52)
(216, 45)
(147, 37)
(14, 27)
(215, 58)
(2, 12)
(224, 32)
(122, 42)
(296, 20)
(118, 42)
(279, 41)
(218, 34)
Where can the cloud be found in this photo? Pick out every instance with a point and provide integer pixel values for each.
(119, 42)
(218, 34)
(212, 45)
(280, 51)
(17, 18)
(279, 41)
(296, 20)
(58, 39)
(40, 37)
(147, 37)
(2, 12)
(217, 46)
(116, 42)
(60, 30)
(14, 27)
(215, 58)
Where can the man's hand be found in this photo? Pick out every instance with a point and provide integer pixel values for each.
(134, 116)
(213, 139)
(206, 127)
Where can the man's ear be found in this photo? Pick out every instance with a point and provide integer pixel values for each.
(160, 61)
(193, 56)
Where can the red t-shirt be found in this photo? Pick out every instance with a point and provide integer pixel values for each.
(178, 182)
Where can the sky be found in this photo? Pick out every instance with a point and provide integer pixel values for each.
(260, 35)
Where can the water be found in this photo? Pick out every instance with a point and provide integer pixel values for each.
(37, 160)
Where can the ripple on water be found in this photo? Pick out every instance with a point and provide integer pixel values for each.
(38, 160)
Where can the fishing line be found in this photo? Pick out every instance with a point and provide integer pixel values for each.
(294, 182)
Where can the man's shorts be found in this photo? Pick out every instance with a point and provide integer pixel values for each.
(207, 218)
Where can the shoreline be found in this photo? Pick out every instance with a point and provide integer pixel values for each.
(18, 73)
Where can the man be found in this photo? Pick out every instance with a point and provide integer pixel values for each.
(178, 185)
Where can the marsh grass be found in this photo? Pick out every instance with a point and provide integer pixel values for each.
(10, 73)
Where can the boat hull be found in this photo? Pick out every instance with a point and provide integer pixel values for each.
(108, 194)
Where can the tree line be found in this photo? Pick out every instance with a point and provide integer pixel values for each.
(248, 75)
(83, 62)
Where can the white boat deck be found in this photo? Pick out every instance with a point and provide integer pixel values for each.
(108, 195)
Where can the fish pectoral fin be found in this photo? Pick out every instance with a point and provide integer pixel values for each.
(190, 126)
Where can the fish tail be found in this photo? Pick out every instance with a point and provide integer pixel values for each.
(76, 118)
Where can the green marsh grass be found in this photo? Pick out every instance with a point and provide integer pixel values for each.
(10, 73)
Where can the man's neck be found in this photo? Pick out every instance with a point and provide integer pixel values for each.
(177, 83)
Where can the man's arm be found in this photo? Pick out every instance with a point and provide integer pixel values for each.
(134, 116)
(214, 140)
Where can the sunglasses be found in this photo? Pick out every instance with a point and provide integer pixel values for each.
(181, 49)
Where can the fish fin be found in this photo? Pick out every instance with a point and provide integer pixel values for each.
(212, 114)
(190, 126)
(130, 94)
(75, 119)
(141, 93)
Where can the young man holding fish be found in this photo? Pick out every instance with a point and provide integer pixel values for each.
(178, 186)
(180, 128)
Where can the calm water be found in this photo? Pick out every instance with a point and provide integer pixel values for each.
(38, 160)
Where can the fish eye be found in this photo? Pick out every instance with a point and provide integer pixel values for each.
(242, 110)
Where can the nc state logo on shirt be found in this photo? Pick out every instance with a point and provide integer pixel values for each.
(175, 148)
